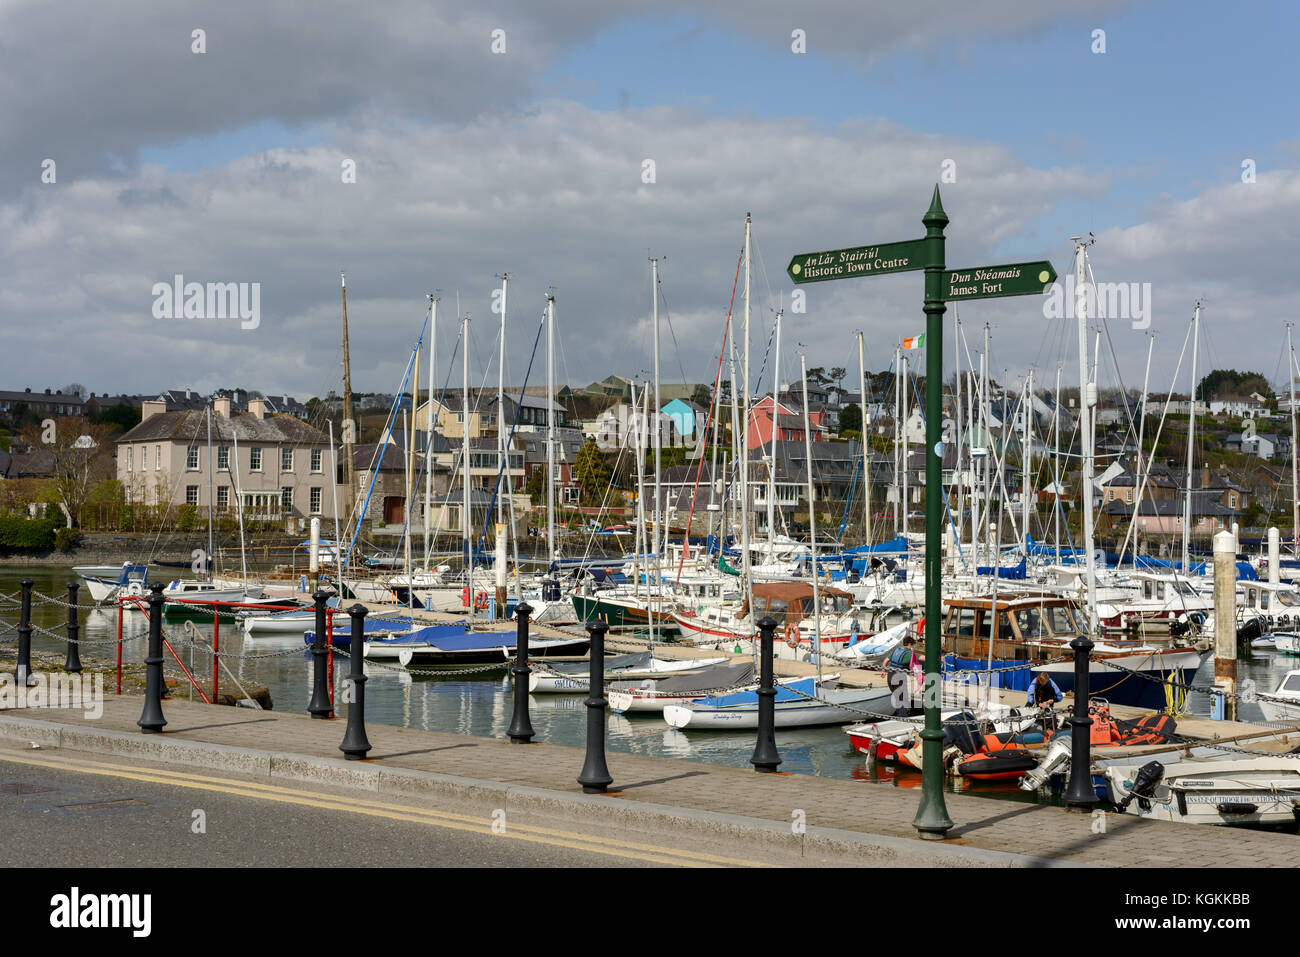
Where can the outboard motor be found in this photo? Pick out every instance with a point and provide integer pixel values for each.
(1144, 787)
(1250, 631)
(550, 589)
(1056, 759)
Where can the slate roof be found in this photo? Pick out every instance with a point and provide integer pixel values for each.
(191, 425)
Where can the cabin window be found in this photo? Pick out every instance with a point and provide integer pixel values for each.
(1263, 601)
(1160, 590)
(1292, 683)
(776, 608)
(964, 623)
(1061, 621)
(1146, 589)
(1031, 624)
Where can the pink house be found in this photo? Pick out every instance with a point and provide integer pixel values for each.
(788, 425)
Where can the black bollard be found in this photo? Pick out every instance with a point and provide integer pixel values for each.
(766, 758)
(355, 744)
(1080, 795)
(320, 706)
(521, 728)
(151, 719)
(23, 670)
(72, 664)
(595, 778)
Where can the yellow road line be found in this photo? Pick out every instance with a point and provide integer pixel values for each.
(460, 822)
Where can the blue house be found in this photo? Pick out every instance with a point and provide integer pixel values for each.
(685, 415)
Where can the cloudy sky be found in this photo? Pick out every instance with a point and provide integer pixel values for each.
(510, 136)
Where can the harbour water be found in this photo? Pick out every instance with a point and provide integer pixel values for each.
(481, 703)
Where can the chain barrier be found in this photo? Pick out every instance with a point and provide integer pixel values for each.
(505, 663)
(51, 600)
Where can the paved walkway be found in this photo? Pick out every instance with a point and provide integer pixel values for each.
(874, 818)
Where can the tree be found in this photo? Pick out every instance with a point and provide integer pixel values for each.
(536, 487)
(838, 373)
(850, 418)
(1229, 384)
(591, 471)
(75, 388)
(702, 396)
(121, 415)
(80, 454)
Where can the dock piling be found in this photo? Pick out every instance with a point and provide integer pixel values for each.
(320, 706)
(595, 777)
(23, 669)
(355, 744)
(766, 757)
(1225, 621)
(521, 727)
(72, 664)
(151, 718)
(1080, 795)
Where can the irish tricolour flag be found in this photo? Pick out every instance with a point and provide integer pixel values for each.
(914, 342)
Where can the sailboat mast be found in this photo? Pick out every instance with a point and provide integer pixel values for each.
(1056, 432)
(1191, 438)
(1026, 463)
(211, 565)
(1295, 477)
(550, 430)
(812, 516)
(239, 501)
(657, 572)
(866, 446)
(906, 383)
(961, 484)
(466, 516)
(501, 404)
(744, 438)
(428, 423)
(898, 436)
(776, 433)
(1087, 396)
(986, 413)
(348, 422)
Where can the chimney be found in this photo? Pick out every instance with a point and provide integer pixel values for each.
(221, 406)
(1205, 476)
(257, 407)
(152, 407)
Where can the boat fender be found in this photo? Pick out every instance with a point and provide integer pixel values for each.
(1237, 807)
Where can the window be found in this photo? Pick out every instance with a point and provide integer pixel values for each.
(286, 498)
(157, 457)
(255, 460)
(315, 501)
(223, 457)
(191, 495)
(572, 495)
(556, 478)
(129, 450)
(286, 460)
(315, 460)
(223, 496)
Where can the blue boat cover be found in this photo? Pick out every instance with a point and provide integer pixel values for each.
(783, 693)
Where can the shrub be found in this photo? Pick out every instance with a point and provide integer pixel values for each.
(66, 539)
(19, 534)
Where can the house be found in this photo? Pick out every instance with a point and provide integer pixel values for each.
(789, 421)
(522, 412)
(42, 404)
(687, 417)
(280, 470)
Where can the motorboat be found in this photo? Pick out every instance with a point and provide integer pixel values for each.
(1246, 790)
(807, 702)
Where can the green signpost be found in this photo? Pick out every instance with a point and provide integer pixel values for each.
(858, 261)
(994, 282)
(941, 285)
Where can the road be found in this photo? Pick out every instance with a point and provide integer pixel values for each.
(71, 809)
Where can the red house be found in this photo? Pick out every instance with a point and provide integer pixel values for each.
(789, 424)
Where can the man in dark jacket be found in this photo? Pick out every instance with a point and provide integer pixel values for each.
(899, 668)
